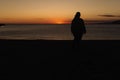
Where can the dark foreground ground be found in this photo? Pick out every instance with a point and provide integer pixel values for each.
(58, 60)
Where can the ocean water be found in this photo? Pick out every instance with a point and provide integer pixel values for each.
(58, 32)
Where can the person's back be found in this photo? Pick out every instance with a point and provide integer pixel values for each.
(77, 26)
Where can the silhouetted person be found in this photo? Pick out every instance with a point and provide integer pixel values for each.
(77, 29)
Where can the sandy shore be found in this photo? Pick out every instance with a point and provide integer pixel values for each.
(50, 59)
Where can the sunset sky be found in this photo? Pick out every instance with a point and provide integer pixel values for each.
(57, 11)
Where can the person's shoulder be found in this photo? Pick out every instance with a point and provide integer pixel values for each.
(81, 20)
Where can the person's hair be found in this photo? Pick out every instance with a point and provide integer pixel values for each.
(77, 15)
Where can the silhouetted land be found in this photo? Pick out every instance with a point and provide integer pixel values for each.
(57, 60)
(110, 22)
(2, 24)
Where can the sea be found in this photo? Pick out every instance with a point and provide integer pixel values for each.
(58, 32)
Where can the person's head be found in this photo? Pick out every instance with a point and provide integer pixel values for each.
(78, 14)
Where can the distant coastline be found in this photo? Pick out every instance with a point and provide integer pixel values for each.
(110, 22)
(2, 24)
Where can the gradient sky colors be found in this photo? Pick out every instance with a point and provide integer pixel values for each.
(57, 11)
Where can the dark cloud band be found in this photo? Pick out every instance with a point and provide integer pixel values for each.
(109, 15)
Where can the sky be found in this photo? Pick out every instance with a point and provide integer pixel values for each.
(57, 11)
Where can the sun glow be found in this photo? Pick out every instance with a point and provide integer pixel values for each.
(60, 22)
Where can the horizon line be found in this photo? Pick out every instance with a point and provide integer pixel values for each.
(86, 22)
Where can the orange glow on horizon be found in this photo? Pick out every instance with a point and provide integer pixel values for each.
(59, 21)
(57, 11)
(33, 21)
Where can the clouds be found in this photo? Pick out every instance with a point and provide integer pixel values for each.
(109, 15)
